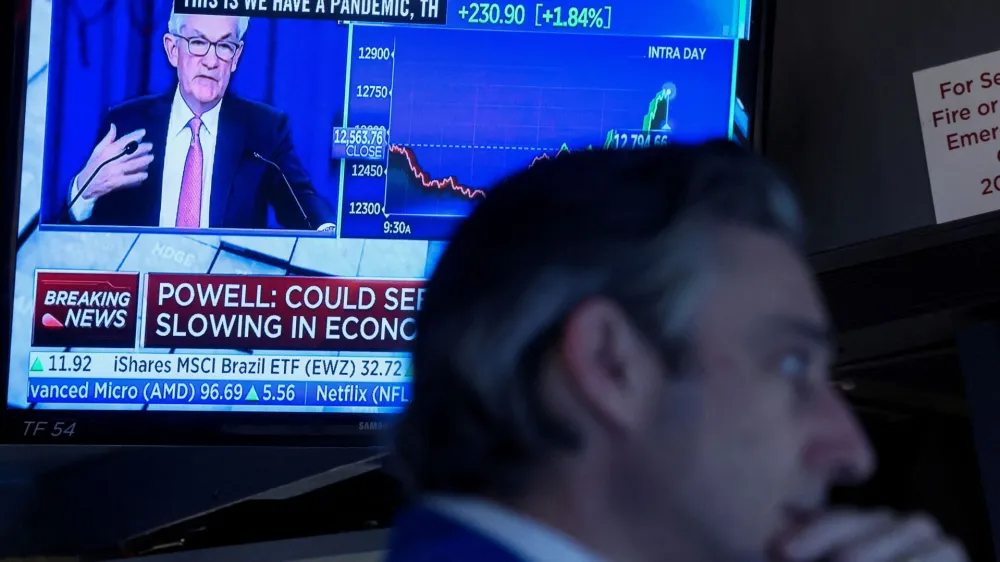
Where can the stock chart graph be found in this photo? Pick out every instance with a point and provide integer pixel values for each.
(464, 109)
(411, 191)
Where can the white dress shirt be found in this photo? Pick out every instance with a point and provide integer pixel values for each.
(174, 158)
(524, 537)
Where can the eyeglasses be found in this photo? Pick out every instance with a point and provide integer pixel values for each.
(225, 50)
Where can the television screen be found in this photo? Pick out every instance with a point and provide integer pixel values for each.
(229, 207)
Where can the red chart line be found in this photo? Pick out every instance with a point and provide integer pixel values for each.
(449, 183)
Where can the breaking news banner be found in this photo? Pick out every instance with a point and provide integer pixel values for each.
(432, 12)
(85, 309)
(315, 313)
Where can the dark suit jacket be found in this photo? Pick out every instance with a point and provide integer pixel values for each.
(423, 535)
(242, 187)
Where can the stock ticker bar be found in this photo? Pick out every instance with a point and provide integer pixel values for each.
(218, 366)
(209, 379)
(432, 12)
(212, 392)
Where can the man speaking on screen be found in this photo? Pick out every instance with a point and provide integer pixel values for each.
(205, 158)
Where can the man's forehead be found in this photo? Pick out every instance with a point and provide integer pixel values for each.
(764, 276)
(807, 326)
(214, 28)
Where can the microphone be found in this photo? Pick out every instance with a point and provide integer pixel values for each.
(298, 203)
(32, 226)
(130, 148)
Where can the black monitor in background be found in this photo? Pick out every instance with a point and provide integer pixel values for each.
(847, 126)
(271, 298)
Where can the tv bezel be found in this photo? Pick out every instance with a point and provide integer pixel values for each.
(195, 428)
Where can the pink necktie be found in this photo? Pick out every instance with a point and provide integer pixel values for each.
(189, 206)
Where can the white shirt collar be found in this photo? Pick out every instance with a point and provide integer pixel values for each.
(526, 538)
(181, 115)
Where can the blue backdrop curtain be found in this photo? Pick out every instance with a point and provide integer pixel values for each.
(105, 52)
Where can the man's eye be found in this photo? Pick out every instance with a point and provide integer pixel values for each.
(198, 42)
(795, 367)
(793, 363)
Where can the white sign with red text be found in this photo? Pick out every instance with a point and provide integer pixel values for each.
(959, 107)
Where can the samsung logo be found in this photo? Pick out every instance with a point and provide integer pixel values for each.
(373, 426)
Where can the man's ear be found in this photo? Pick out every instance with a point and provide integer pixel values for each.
(171, 46)
(610, 365)
(236, 57)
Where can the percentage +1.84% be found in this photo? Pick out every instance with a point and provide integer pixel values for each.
(547, 15)
(541, 15)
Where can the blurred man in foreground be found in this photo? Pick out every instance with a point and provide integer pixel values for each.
(623, 357)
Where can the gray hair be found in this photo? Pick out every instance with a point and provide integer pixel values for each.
(633, 226)
(176, 22)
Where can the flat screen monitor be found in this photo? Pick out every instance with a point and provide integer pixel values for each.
(226, 210)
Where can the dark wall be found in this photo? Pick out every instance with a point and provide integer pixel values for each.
(843, 115)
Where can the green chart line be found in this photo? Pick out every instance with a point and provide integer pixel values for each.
(609, 141)
(647, 121)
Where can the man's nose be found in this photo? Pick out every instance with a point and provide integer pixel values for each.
(838, 449)
(211, 59)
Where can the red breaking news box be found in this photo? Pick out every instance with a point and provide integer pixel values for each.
(75, 309)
